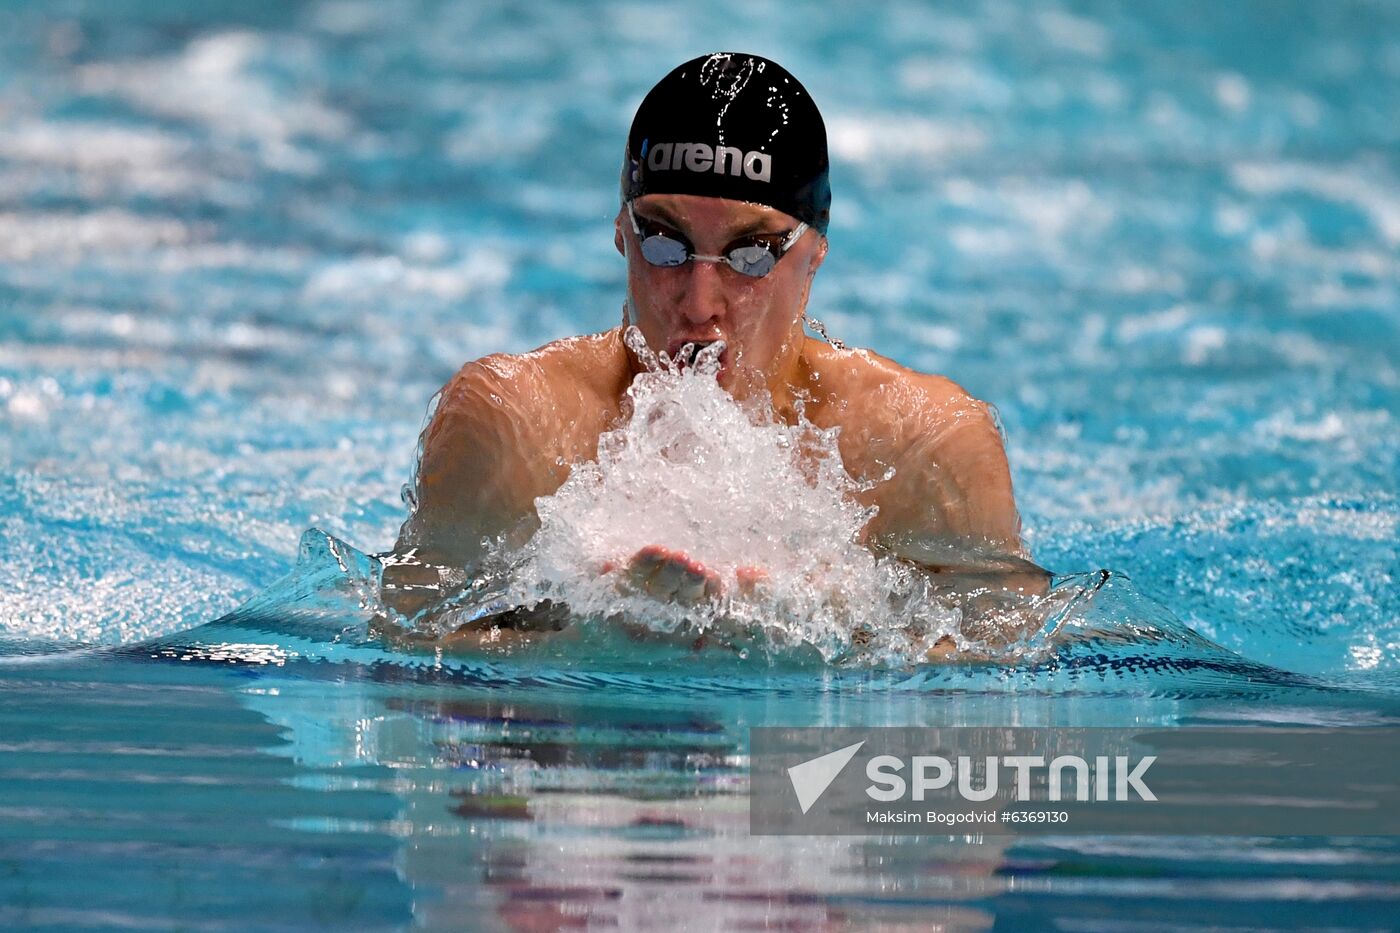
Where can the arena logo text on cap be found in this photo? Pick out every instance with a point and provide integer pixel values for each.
(700, 157)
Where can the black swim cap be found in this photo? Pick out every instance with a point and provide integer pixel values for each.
(736, 126)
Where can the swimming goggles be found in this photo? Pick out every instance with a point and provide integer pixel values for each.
(753, 256)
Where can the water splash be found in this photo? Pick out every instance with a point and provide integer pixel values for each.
(732, 487)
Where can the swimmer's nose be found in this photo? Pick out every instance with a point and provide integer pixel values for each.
(704, 296)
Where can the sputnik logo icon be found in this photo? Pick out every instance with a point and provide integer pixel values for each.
(811, 778)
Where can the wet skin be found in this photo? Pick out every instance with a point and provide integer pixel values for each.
(507, 426)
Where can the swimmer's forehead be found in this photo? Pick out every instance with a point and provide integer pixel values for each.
(692, 213)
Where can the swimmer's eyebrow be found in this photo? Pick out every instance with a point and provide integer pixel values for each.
(664, 216)
(657, 215)
(757, 228)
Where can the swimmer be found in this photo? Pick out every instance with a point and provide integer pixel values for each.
(725, 203)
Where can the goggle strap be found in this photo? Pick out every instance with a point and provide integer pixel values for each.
(792, 237)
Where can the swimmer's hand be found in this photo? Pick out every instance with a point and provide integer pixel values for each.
(670, 575)
(504, 633)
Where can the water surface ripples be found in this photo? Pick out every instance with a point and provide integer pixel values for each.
(241, 245)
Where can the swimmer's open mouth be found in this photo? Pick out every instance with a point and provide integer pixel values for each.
(686, 353)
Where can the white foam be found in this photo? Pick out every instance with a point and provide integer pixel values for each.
(1073, 33)
(1355, 185)
(1203, 342)
(937, 27)
(1026, 215)
(1052, 211)
(1154, 323)
(723, 482)
(371, 278)
(490, 133)
(35, 235)
(882, 140)
(1232, 92)
(960, 77)
(106, 155)
(981, 241)
(213, 82)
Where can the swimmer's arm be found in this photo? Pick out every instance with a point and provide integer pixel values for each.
(480, 473)
(949, 507)
(949, 511)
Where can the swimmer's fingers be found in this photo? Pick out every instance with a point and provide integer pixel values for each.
(644, 571)
(752, 581)
(680, 579)
(942, 648)
(670, 575)
(648, 561)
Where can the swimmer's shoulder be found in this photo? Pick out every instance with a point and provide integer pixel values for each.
(885, 390)
(945, 445)
(501, 434)
(569, 376)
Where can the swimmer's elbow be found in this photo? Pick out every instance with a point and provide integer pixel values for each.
(975, 456)
(474, 479)
(991, 501)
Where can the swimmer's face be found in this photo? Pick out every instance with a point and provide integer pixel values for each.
(759, 319)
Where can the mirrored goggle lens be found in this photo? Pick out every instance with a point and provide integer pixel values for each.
(664, 251)
(751, 260)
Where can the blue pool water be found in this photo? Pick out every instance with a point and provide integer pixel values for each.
(242, 244)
